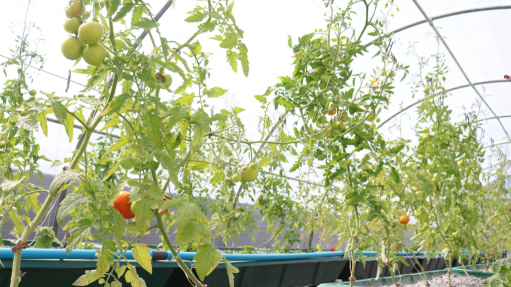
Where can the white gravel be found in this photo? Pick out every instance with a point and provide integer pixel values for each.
(442, 281)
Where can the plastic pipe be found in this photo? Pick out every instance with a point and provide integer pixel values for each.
(268, 257)
(37, 253)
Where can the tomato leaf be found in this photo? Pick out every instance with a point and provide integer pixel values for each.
(145, 23)
(206, 260)
(153, 125)
(61, 179)
(215, 92)
(141, 254)
(197, 17)
(191, 231)
(68, 124)
(217, 177)
(59, 110)
(115, 105)
(72, 201)
(114, 5)
(125, 9)
(42, 121)
(28, 123)
(86, 279)
(230, 271)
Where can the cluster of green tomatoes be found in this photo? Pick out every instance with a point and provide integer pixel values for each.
(86, 45)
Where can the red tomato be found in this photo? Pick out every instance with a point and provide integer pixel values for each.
(332, 249)
(145, 244)
(122, 204)
(404, 219)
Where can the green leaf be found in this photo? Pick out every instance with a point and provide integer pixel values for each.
(44, 241)
(186, 212)
(285, 103)
(244, 63)
(206, 260)
(79, 233)
(202, 118)
(397, 149)
(264, 162)
(28, 123)
(395, 175)
(105, 260)
(176, 201)
(216, 92)
(141, 254)
(176, 115)
(230, 271)
(72, 201)
(111, 123)
(125, 9)
(59, 110)
(114, 5)
(111, 171)
(146, 24)
(86, 279)
(19, 227)
(137, 14)
(262, 99)
(42, 121)
(118, 144)
(237, 110)
(228, 43)
(68, 124)
(231, 59)
(196, 165)
(197, 17)
(63, 178)
(217, 177)
(143, 213)
(186, 100)
(115, 105)
(8, 185)
(153, 125)
(191, 231)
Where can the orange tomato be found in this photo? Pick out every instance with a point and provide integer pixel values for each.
(122, 204)
(164, 211)
(404, 219)
(332, 112)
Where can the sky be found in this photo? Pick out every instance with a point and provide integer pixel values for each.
(479, 41)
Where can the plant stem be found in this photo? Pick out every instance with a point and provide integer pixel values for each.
(180, 262)
(15, 279)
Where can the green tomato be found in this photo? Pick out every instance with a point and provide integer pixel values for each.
(426, 90)
(325, 78)
(72, 48)
(71, 25)
(249, 173)
(32, 92)
(168, 80)
(94, 54)
(236, 178)
(371, 117)
(90, 33)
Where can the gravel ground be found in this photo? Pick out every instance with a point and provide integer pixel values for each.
(442, 281)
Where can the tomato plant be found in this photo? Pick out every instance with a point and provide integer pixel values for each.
(163, 141)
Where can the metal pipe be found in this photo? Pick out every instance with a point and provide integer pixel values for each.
(441, 16)
(430, 21)
(448, 90)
